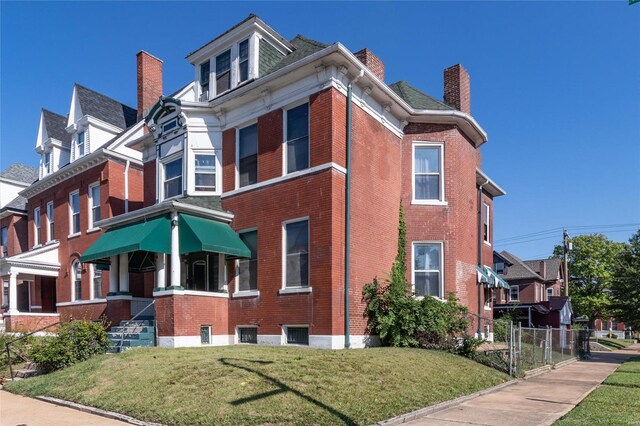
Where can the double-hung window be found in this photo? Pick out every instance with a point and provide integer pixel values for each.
(47, 163)
(36, 226)
(297, 253)
(205, 69)
(427, 173)
(248, 155)
(549, 293)
(4, 236)
(223, 72)
(297, 138)
(97, 282)
(76, 277)
(94, 204)
(50, 220)
(248, 268)
(243, 61)
(80, 144)
(171, 153)
(74, 212)
(514, 293)
(427, 269)
(485, 222)
(205, 172)
(173, 178)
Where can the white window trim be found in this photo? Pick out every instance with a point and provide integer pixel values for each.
(91, 206)
(163, 162)
(285, 330)
(285, 110)
(443, 200)
(237, 152)
(210, 334)
(214, 65)
(192, 171)
(486, 215)
(92, 291)
(237, 336)
(549, 290)
(517, 288)
(236, 279)
(73, 280)
(71, 233)
(284, 289)
(49, 221)
(413, 276)
(37, 227)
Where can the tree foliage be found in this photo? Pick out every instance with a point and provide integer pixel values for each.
(625, 287)
(592, 268)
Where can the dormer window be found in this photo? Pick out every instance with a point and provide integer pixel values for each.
(243, 63)
(80, 144)
(205, 69)
(46, 164)
(223, 72)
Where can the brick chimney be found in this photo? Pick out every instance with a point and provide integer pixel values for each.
(457, 88)
(149, 81)
(371, 61)
(543, 269)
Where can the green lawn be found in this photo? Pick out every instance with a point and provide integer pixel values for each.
(616, 402)
(614, 343)
(265, 385)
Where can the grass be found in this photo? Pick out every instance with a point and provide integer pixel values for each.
(265, 385)
(615, 343)
(615, 402)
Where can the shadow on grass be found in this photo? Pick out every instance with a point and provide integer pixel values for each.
(282, 388)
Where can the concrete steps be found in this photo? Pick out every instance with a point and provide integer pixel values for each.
(132, 334)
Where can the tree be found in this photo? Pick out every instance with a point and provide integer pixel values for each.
(592, 268)
(625, 287)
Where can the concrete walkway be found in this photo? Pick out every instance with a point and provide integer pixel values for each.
(16, 410)
(540, 400)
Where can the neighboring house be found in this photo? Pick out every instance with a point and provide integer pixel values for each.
(604, 327)
(86, 174)
(13, 222)
(245, 178)
(243, 236)
(535, 290)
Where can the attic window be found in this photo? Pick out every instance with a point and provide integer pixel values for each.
(223, 72)
(205, 69)
(243, 61)
(499, 267)
(47, 163)
(80, 144)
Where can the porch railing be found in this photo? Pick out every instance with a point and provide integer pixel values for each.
(126, 324)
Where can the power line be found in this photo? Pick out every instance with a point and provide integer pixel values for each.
(529, 240)
(554, 230)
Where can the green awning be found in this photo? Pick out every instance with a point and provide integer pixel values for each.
(199, 234)
(152, 235)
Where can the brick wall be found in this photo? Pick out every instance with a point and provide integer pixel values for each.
(27, 323)
(182, 315)
(16, 233)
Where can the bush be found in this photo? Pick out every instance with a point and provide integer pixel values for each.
(612, 336)
(76, 341)
(20, 350)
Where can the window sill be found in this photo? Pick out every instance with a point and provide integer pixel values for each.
(294, 290)
(429, 203)
(487, 308)
(92, 230)
(50, 242)
(487, 243)
(246, 293)
(70, 236)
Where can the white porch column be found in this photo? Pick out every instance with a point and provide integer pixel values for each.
(113, 275)
(161, 281)
(175, 251)
(13, 293)
(124, 272)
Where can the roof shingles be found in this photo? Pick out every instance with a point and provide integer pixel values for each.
(416, 98)
(20, 172)
(104, 108)
(56, 124)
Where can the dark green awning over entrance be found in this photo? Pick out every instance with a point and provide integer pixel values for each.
(199, 234)
(152, 235)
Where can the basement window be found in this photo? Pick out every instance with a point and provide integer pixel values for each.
(297, 336)
(205, 334)
(248, 335)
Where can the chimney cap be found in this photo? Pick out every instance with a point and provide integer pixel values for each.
(149, 54)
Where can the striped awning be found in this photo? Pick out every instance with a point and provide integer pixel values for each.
(490, 278)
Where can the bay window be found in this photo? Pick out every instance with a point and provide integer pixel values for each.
(205, 172)
(172, 184)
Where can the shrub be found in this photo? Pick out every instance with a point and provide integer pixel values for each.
(76, 341)
(612, 336)
(20, 350)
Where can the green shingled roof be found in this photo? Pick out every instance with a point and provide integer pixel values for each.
(417, 99)
(304, 47)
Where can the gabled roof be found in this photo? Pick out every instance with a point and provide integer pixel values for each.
(56, 124)
(416, 98)
(518, 270)
(552, 267)
(20, 172)
(557, 303)
(303, 48)
(104, 108)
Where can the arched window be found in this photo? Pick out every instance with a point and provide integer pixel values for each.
(76, 280)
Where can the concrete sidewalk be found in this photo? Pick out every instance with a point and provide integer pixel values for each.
(19, 410)
(540, 400)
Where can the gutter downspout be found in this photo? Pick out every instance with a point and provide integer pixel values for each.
(347, 213)
(126, 187)
(480, 264)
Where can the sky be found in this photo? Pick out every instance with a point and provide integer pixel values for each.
(556, 85)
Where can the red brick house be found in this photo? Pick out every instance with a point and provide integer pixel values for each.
(86, 174)
(258, 172)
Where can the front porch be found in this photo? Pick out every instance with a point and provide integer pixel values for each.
(186, 252)
(29, 289)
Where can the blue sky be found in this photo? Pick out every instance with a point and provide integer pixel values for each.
(555, 84)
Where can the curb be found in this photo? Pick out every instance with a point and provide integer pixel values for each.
(97, 411)
(407, 417)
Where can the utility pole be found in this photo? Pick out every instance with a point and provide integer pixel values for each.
(567, 248)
